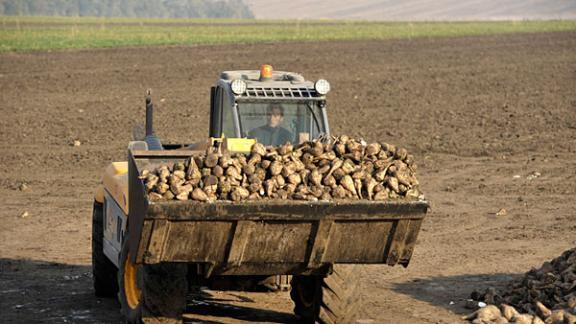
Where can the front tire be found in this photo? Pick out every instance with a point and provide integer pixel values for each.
(130, 282)
(151, 293)
(327, 300)
(104, 272)
(165, 289)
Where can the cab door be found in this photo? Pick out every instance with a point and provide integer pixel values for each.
(223, 114)
(215, 113)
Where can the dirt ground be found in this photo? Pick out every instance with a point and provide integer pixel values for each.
(491, 120)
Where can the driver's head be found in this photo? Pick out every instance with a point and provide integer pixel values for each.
(275, 114)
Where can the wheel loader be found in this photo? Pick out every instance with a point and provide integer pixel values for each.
(150, 254)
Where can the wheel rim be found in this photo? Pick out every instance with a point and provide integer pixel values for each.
(131, 290)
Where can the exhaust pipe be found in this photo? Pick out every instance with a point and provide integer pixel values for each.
(149, 114)
(153, 142)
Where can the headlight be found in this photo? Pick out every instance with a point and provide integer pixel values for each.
(322, 86)
(238, 87)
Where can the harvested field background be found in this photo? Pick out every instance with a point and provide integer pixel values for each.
(491, 120)
(49, 33)
(414, 9)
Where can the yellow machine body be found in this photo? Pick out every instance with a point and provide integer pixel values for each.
(115, 182)
(115, 177)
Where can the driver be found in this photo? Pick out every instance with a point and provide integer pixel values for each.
(272, 133)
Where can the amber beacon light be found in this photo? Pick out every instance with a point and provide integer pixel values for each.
(266, 72)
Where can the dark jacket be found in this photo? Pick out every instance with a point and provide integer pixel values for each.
(271, 135)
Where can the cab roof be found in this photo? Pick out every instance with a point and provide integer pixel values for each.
(254, 75)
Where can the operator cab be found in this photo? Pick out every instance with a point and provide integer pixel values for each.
(272, 107)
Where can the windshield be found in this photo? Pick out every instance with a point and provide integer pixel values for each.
(280, 122)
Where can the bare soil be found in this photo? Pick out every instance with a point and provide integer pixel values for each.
(491, 120)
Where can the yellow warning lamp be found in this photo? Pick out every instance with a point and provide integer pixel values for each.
(266, 72)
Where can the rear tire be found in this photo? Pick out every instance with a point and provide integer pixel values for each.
(104, 272)
(327, 300)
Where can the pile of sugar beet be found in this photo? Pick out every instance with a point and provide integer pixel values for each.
(543, 295)
(324, 169)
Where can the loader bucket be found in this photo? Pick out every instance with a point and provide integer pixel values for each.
(268, 236)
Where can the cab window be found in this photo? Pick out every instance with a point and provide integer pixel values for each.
(275, 123)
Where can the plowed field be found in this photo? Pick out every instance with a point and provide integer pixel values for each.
(491, 120)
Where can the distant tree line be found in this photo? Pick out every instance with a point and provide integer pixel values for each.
(128, 8)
